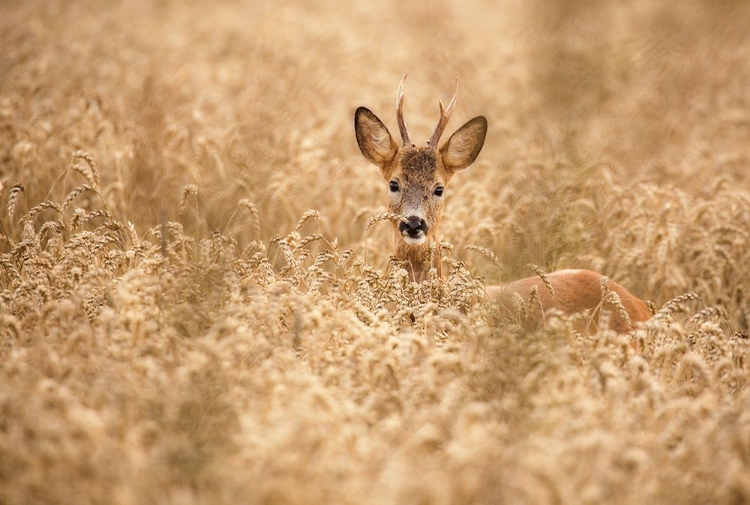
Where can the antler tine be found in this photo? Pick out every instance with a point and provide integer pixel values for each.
(400, 113)
(445, 115)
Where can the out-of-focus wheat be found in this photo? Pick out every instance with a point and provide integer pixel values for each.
(151, 353)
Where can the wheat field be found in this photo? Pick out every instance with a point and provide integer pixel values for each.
(197, 302)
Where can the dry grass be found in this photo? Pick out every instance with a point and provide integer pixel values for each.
(196, 299)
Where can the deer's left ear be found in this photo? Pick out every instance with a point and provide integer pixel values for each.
(463, 147)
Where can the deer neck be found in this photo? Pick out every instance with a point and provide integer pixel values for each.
(419, 259)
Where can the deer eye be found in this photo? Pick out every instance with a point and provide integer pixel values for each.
(394, 186)
(439, 191)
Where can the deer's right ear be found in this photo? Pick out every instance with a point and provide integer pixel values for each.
(373, 138)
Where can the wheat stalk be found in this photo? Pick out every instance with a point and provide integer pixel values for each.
(542, 275)
(15, 192)
(614, 299)
(87, 169)
(187, 191)
(310, 214)
(485, 252)
(382, 216)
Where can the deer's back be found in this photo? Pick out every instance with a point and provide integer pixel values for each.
(575, 291)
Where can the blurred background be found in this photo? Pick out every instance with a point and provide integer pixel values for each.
(618, 129)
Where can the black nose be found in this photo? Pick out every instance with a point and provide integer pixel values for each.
(413, 226)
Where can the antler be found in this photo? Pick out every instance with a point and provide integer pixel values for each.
(400, 113)
(445, 115)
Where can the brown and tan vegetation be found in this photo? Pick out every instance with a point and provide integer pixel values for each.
(196, 298)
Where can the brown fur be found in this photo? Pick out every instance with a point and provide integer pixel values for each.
(575, 291)
(418, 171)
(418, 258)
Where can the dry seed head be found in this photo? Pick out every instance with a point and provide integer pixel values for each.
(531, 305)
(517, 302)
(693, 371)
(708, 313)
(381, 216)
(322, 258)
(310, 238)
(190, 189)
(74, 193)
(81, 217)
(13, 198)
(87, 169)
(446, 246)
(674, 303)
(9, 266)
(614, 299)
(542, 275)
(256, 217)
(39, 208)
(28, 231)
(485, 252)
(310, 214)
(51, 227)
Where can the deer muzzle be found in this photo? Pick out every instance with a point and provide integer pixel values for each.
(414, 230)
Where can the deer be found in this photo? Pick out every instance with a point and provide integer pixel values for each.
(417, 177)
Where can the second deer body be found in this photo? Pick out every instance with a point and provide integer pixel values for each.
(417, 177)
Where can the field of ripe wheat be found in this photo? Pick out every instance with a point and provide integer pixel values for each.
(198, 307)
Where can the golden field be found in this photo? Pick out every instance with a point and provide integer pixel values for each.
(197, 304)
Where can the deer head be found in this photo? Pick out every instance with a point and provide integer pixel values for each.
(417, 176)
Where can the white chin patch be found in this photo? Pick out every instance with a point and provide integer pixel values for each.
(415, 240)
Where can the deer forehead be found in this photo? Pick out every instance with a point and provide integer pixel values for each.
(419, 166)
